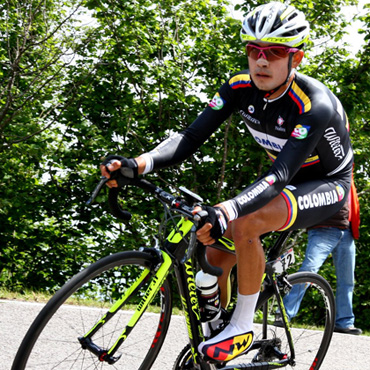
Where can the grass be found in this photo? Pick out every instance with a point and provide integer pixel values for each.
(27, 296)
(30, 296)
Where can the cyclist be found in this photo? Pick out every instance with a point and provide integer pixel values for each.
(304, 130)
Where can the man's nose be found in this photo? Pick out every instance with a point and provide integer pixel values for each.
(262, 61)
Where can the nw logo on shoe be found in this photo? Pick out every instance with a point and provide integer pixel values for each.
(230, 348)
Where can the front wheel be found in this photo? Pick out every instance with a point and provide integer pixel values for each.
(52, 342)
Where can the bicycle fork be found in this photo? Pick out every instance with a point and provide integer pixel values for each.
(107, 355)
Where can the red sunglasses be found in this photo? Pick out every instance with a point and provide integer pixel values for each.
(270, 53)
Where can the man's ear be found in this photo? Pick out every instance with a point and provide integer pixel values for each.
(297, 58)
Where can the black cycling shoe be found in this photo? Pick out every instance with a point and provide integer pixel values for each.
(350, 330)
(278, 321)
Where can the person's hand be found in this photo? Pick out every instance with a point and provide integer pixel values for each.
(127, 166)
(215, 224)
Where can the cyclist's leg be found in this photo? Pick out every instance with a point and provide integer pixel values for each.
(299, 206)
(344, 261)
(246, 231)
(226, 261)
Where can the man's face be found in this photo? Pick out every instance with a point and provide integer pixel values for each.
(267, 70)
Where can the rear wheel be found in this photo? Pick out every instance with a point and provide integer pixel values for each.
(313, 320)
(52, 340)
(311, 325)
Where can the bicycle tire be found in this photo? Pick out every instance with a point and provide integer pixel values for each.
(316, 318)
(51, 341)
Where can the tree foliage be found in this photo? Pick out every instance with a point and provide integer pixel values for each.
(81, 79)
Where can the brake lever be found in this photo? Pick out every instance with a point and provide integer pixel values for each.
(97, 189)
(199, 220)
(192, 244)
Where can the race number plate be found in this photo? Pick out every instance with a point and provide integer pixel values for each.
(284, 261)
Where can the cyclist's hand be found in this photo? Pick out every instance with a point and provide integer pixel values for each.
(215, 224)
(127, 166)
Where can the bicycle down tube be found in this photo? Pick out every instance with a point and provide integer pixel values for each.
(156, 283)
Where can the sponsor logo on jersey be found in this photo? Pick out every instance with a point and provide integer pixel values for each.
(340, 191)
(321, 199)
(280, 121)
(251, 109)
(251, 194)
(300, 132)
(334, 141)
(281, 129)
(217, 102)
(267, 141)
(271, 179)
(249, 118)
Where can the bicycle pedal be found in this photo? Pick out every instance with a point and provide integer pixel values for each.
(270, 351)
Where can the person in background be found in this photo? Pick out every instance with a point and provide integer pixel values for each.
(333, 236)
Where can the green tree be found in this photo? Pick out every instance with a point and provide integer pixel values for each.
(38, 44)
(136, 73)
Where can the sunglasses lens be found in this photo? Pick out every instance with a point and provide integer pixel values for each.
(252, 52)
(270, 53)
(278, 52)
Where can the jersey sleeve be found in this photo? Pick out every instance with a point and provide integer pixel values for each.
(182, 145)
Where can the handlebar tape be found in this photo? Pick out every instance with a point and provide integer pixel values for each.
(203, 262)
(115, 208)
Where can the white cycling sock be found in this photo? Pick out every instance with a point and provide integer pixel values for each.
(241, 321)
(244, 312)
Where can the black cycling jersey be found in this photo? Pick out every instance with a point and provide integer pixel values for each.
(304, 131)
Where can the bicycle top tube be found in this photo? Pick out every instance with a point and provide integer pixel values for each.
(272, 252)
(179, 205)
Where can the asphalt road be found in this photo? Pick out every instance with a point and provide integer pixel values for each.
(346, 351)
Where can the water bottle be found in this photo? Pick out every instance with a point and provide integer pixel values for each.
(208, 296)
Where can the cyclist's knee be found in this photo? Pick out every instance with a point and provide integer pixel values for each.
(248, 228)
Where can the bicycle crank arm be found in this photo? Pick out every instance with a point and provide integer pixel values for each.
(102, 354)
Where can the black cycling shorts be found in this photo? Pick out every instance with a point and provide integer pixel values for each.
(312, 202)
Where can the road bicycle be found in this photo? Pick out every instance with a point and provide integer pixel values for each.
(115, 313)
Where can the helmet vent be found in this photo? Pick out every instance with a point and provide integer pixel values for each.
(292, 16)
(262, 24)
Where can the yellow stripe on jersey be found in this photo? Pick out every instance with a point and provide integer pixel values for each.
(311, 160)
(300, 98)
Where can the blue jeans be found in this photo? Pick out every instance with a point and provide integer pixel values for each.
(322, 242)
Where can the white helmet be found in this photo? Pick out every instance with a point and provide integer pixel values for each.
(276, 23)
